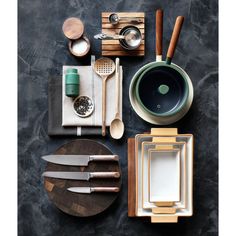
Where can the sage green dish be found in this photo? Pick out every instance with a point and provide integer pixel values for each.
(154, 119)
(162, 89)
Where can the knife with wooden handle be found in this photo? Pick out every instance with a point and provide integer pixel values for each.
(93, 189)
(80, 175)
(78, 160)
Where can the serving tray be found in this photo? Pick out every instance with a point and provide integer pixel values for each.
(112, 47)
(76, 204)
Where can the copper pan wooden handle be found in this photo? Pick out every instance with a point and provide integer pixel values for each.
(159, 33)
(174, 38)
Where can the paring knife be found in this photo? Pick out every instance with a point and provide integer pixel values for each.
(93, 189)
(80, 175)
(78, 160)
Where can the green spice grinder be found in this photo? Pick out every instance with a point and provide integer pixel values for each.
(72, 82)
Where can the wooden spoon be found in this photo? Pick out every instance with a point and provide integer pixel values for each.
(104, 67)
(117, 125)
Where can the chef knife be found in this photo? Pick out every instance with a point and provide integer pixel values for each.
(93, 189)
(78, 160)
(80, 175)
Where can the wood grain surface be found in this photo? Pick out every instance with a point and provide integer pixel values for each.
(159, 32)
(131, 178)
(73, 28)
(82, 205)
(175, 36)
(112, 47)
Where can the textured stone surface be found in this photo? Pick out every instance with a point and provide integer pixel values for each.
(43, 51)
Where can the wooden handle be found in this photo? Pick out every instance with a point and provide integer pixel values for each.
(163, 204)
(117, 86)
(164, 131)
(104, 107)
(104, 174)
(105, 189)
(104, 158)
(164, 219)
(174, 38)
(164, 210)
(159, 32)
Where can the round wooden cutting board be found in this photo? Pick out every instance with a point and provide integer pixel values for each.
(78, 204)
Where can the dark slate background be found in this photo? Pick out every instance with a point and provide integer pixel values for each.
(43, 51)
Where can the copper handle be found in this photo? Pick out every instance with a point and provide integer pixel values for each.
(174, 38)
(104, 158)
(104, 174)
(105, 189)
(159, 32)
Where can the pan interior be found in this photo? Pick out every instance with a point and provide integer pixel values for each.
(162, 89)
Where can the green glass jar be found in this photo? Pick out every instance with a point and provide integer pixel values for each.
(72, 82)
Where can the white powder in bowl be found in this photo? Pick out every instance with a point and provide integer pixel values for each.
(79, 46)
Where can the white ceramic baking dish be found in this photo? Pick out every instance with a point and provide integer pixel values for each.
(139, 139)
(145, 146)
(163, 175)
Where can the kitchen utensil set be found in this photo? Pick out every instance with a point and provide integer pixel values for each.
(104, 67)
(130, 37)
(123, 34)
(81, 160)
(163, 175)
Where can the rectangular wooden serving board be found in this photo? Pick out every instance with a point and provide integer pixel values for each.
(112, 47)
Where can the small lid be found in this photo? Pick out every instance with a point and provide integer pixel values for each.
(73, 28)
(71, 71)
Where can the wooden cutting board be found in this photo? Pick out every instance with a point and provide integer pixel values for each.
(112, 47)
(76, 204)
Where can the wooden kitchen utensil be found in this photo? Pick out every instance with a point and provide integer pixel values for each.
(79, 204)
(117, 125)
(104, 67)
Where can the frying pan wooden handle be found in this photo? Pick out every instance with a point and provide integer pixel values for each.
(159, 33)
(174, 38)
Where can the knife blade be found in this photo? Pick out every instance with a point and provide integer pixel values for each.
(93, 189)
(78, 160)
(80, 175)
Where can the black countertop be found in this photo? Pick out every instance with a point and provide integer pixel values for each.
(42, 52)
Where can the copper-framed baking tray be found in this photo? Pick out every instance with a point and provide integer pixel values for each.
(159, 133)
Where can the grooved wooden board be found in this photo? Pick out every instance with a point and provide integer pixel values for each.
(82, 205)
(112, 47)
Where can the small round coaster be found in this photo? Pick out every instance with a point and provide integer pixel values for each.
(73, 28)
(83, 106)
